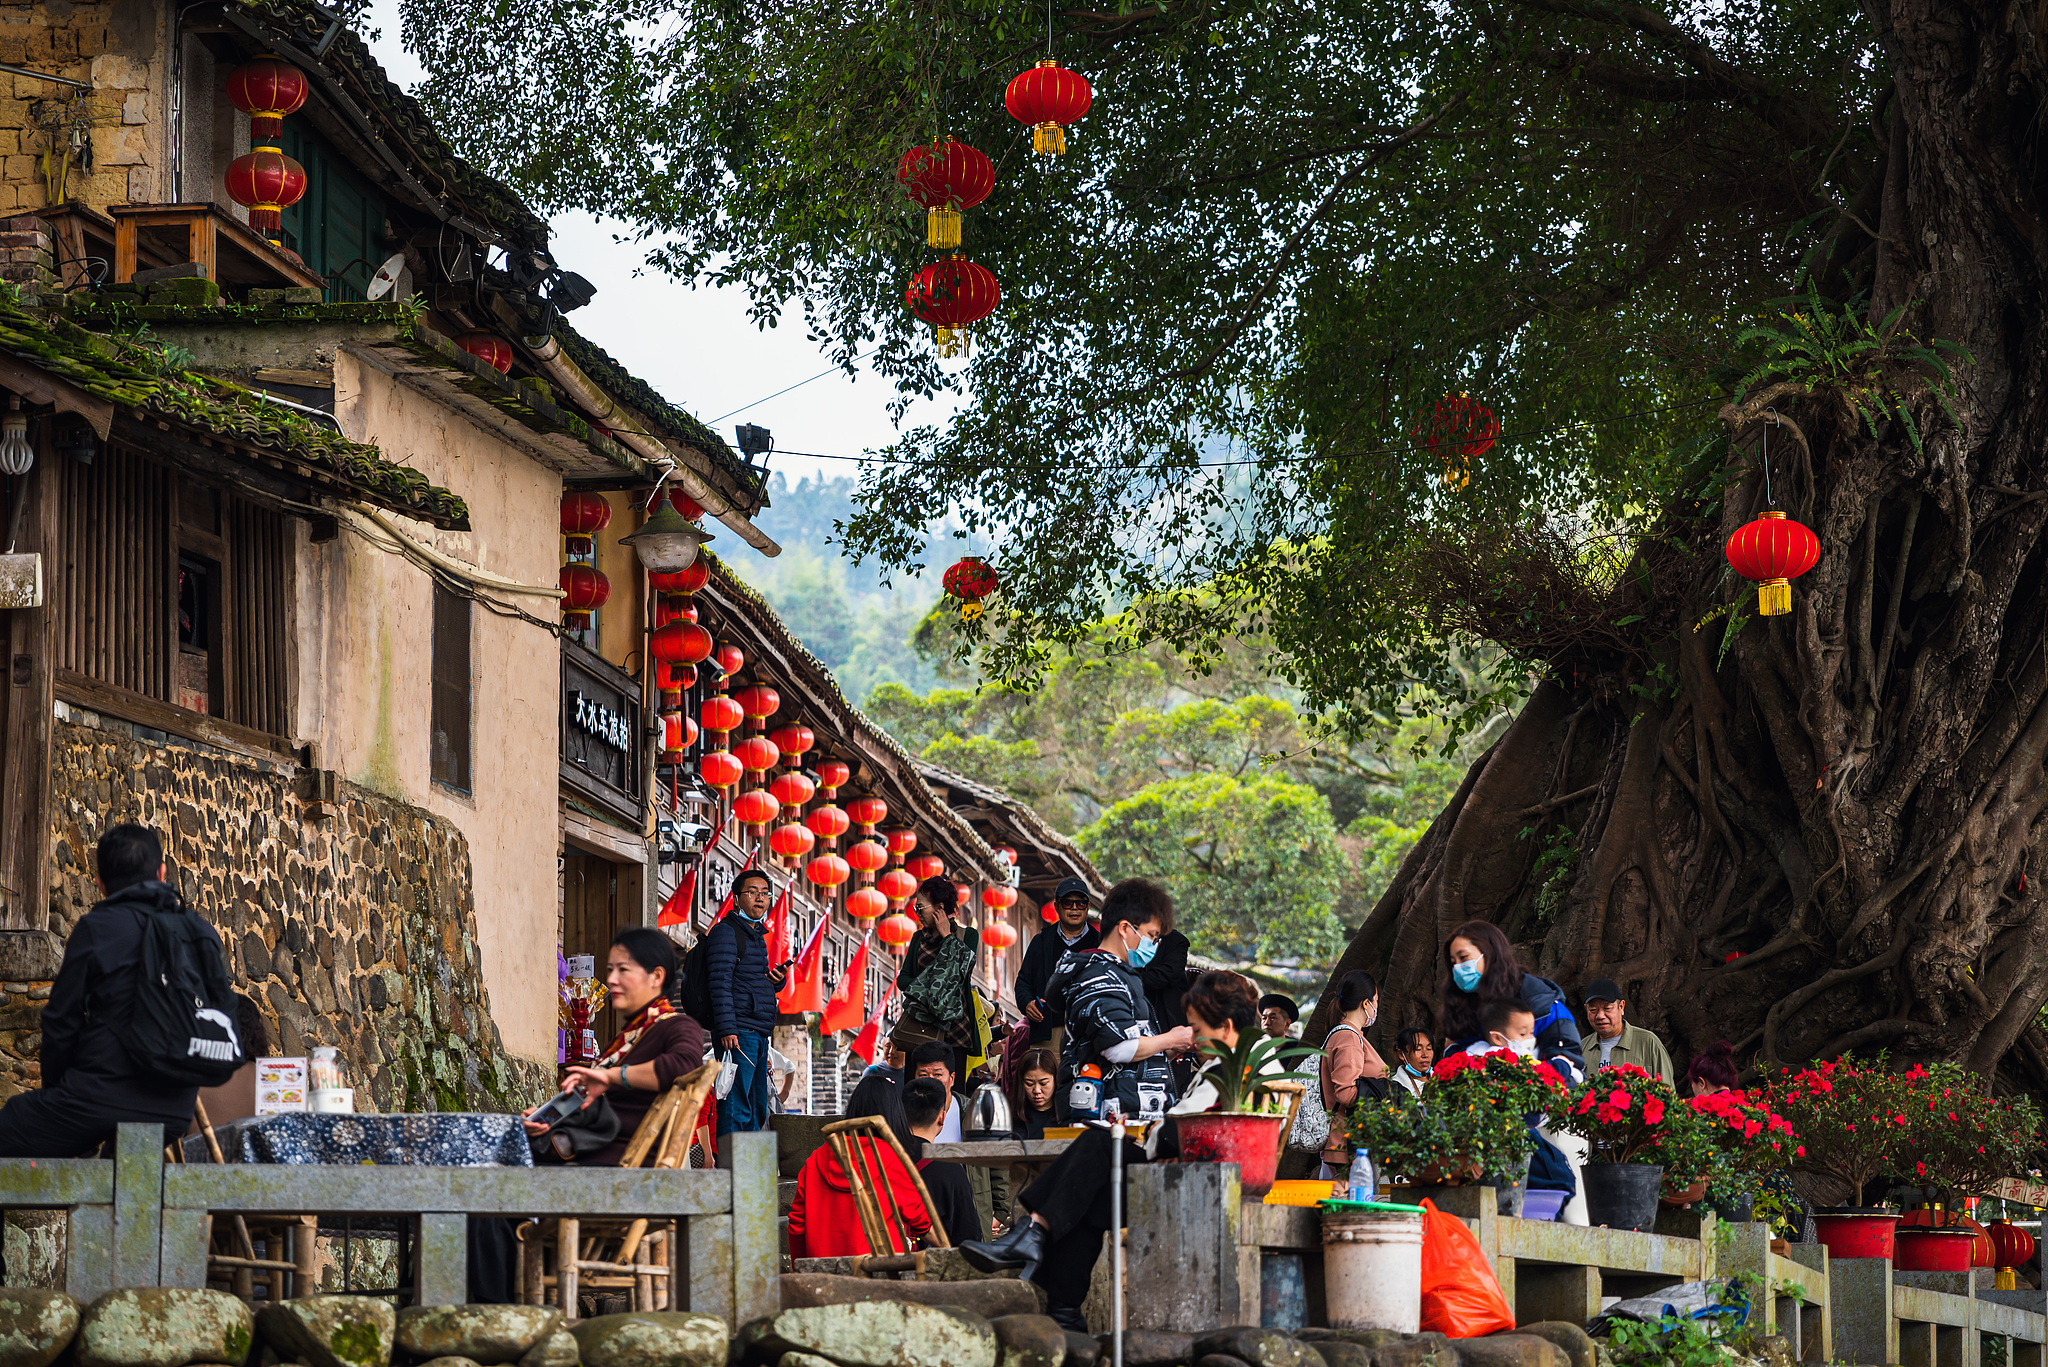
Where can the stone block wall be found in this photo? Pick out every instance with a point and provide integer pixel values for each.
(118, 46)
(356, 930)
(27, 258)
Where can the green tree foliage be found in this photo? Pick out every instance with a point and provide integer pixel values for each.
(1253, 863)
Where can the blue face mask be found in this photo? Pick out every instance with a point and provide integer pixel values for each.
(1142, 953)
(1466, 975)
(1413, 1071)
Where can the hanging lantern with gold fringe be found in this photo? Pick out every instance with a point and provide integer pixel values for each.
(945, 178)
(1773, 551)
(1048, 97)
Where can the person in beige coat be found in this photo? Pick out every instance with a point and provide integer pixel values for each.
(1347, 1057)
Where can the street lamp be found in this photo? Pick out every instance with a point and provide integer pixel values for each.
(665, 543)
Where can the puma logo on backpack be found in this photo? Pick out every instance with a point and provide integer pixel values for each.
(183, 1025)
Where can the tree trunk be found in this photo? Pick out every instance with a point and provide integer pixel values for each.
(1822, 840)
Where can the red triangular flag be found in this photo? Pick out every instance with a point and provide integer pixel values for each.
(778, 946)
(805, 989)
(676, 910)
(849, 1004)
(870, 1036)
(732, 890)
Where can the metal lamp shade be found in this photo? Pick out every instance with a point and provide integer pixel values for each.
(665, 543)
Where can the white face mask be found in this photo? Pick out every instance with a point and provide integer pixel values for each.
(1524, 1048)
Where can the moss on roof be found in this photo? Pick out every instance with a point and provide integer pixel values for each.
(137, 376)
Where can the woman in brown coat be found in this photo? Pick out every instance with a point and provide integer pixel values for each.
(1347, 1057)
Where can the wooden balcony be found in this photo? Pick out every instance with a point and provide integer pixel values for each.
(233, 255)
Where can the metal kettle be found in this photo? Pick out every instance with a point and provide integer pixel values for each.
(987, 1115)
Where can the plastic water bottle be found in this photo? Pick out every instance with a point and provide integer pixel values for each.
(1361, 1177)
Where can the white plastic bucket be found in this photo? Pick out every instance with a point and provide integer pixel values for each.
(1372, 1269)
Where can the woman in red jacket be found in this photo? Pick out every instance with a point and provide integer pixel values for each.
(824, 1222)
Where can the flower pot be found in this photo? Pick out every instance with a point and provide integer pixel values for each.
(1682, 1196)
(1250, 1140)
(1622, 1195)
(1737, 1210)
(1856, 1231)
(1931, 1248)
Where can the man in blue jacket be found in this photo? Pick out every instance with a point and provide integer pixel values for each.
(743, 987)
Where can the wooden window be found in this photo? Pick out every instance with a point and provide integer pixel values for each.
(338, 225)
(172, 590)
(451, 697)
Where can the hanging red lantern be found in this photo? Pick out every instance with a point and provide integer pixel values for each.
(827, 822)
(266, 182)
(584, 590)
(792, 787)
(962, 895)
(969, 579)
(896, 931)
(793, 740)
(674, 678)
(792, 841)
(925, 866)
(865, 856)
(730, 660)
(720, 769)
(756, 807)
(758, 753)
(680, 733)
(681, 643)
(673, 607)
(1048, 97)
(827, 871)
(759, 701)
(1048, 913)
(945, 177)
(998, 935)
(952, 295)
(488, 347)
(1007, 855)
(584, 513)
(719, 714)
(900, 841)
(690, 579)
(832, 774)
(897, 885)
(867, 812)
(2011, 1246)
(1773, 550)
(267, 90)
(997, 897)
(689, 509)
(865, 904)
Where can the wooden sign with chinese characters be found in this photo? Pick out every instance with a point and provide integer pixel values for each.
(2025, 1193)
(604, 750)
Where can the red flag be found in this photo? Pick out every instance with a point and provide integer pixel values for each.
(733, 890)
(870, 1036)
(778, 946)
(849, 1002)
(676, 910)
(805, 989)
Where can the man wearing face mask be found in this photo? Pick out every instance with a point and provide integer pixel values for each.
(1110, 1026)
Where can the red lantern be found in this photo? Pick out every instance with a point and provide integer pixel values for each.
(951, 295)
(758, 753)
(720, 714)
(1007, 855)
(674, 607)
(2011, 1246)
(826, 822)
(998, 935)
(1048, 913)
(867, 812)
(584, 589)
(896, 885)
(730, 659)
(688, 508)
(791, 841)
(679, 734)
(672, 678)
(756, 807)
(688, 580)
(900, 841)
(793, 740)
(827, 871)
(897, 930)
(792, 787)
(720, 769)
(962, 895)
(584, 513)
(267, 90)
(865, 904)
(266, 182)
(681, 643)
(493, 350)
(1048, 97)
(833, 773)
(970, 580)
(1467, 427)
(925, 866)
(945, 177)
(996, 897)
(1772, 551)
(865, 856)
(759, 701)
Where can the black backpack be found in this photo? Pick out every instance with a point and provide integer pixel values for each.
(693, 984)
(183, 1026)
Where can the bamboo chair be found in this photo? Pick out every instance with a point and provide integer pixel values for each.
(1293, 1091)
(562, 1258)
(855, 1143)
(232, 1258)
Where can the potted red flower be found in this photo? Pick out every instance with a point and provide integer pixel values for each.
(1964, 1139)
(1750, 1141)
(1851, 1118)
(1470, 1125)
(1631, 1120)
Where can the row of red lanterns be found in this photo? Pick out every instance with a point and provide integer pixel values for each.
(264, 180)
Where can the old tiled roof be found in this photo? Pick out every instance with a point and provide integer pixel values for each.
(146, 382)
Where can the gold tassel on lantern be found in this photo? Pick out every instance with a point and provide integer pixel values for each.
(1048, 139)
(1773, 597)
(942, 226)
(952, 343)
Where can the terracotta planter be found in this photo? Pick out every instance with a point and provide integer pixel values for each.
(1931, 1248)
(1683, 1196)
(1247, 1139)
(1856, 1231)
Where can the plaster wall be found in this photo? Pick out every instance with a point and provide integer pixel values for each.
(366, 664)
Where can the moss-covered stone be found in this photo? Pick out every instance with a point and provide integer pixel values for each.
(160, 1326)
(330, 1331)
(652, 1338)
(35, 1326)
(486, 1334)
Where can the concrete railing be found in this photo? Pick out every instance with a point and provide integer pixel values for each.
(1939, 1319)
(134, 1221)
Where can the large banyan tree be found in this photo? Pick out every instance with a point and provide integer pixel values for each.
(1696, 262)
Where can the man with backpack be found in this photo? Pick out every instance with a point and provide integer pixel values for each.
(742, 986)
(140, 1017)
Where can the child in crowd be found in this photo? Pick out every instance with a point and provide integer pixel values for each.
(1417, 1053)
(1511, 1027)
(1505, 1023)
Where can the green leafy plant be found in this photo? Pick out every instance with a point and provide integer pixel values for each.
(1240, 1072)
(1851, 1119)
(1629, 1116)
(1472, 1121)
(1964, 1139)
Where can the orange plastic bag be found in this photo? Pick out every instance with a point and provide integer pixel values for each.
(1460, 1297)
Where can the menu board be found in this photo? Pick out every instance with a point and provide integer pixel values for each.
(281, 1086)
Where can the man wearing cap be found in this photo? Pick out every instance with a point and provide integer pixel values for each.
(1617, 1040)
(1053, 943)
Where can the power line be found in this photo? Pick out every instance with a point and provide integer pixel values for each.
(798, 385)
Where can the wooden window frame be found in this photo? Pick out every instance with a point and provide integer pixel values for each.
(444, 676)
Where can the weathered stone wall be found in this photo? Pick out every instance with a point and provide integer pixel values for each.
(357, 930)
(118, 46)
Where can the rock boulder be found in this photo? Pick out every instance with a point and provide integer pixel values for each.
(1030, 1341)
(1153, 1347)
(1511, 1350)
(1259, 1347)
(1574, 1341)
(486, 1334)
(162, 1326)
(989, 1299)
(330, 1331)
(883, 1334)
(652, 1338)
(35, 1326)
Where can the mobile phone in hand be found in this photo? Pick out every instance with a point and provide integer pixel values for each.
(561, 1105)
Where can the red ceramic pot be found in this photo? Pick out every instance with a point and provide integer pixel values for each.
(1925, 1248)
(1250, 1141)
(1856, 1231)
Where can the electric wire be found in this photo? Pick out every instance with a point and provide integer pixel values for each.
(798, 385)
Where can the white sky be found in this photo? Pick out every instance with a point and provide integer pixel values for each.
(697, 347)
